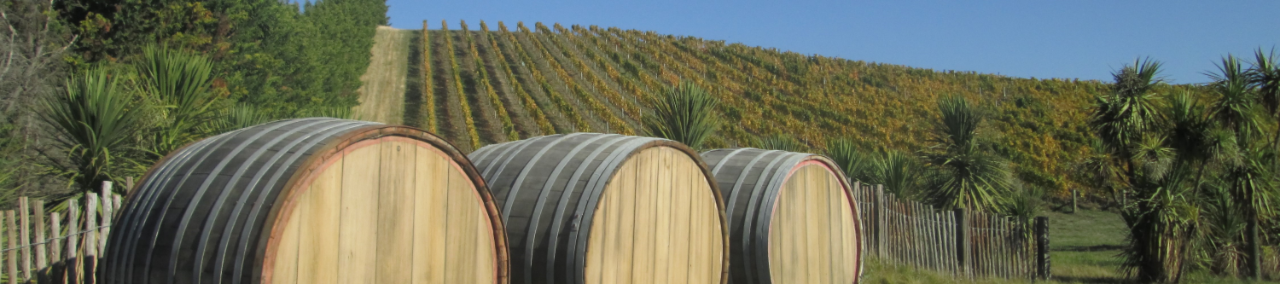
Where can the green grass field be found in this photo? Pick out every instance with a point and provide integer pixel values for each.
(1085, 248)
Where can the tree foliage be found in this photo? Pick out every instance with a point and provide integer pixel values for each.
(31, 70)
(284, 57)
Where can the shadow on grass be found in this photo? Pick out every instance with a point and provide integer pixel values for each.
(1090, 248)
(1095, 280)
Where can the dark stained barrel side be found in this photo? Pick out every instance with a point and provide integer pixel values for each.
(548, 188)
(204, 213)
(751, 180)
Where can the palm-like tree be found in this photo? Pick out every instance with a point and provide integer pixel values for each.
(178, 82)
(971, 177)
(1223, 226)
(1243, 94)
(1264, 76)
(1235, 107)
(685, 114)
(1123, 116)
(856, 165)
(93, 122)
(237, 117)
(1128, 123)
(1100, 171)
(1251, 184)
(898, 171)
(1162, 223)
(780, 142)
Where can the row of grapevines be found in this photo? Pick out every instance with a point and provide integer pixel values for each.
(680, 72)
(507, 127)
(578, 121)
(625, 83)
(596, 107)
(529, 104)
(732, 103)
(428, 106)
(462, 97)
(774, 106)
(630, 109)
(640, 93)
(488, 121)
(633, 70)
(730, 131)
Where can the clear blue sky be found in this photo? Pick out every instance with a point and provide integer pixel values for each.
(1042, 39)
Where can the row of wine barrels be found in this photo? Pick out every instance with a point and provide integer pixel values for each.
(603, 208)
(313, 200)
(322, 200)
(792, 217)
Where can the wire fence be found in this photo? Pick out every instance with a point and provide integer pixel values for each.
(56, 247)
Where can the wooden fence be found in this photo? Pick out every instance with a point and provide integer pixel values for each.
(963, 244)
(58, 247)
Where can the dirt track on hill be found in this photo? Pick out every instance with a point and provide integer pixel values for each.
(383, 84)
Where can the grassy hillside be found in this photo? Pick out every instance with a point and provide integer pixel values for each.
(490, 85)
(383, 84)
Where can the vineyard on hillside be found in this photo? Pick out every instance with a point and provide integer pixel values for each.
(499, 84)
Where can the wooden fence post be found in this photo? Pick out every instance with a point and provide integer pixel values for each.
(42, 259)
(12, 226)
(107, 210)
(24, 232)
(1042, 247)
(963, 248)
(73, 232)
(91, 226)
(881, 233)
(55, 245)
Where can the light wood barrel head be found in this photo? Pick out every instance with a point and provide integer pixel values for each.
(811, 237)
(656, 222)
(387, 210)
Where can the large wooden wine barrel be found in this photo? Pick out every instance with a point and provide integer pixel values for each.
(314, 200)
(604, 208)
(792, 218)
